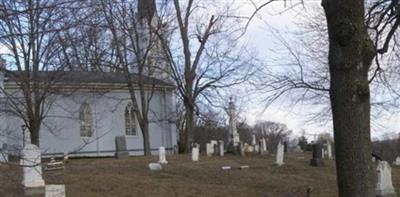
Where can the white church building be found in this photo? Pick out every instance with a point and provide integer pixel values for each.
(87, 112)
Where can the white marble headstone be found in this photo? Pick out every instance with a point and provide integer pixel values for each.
(161, 155)
(279, 154)
(256, 148)
(253, 140)
(55, 191)
(384, 186)
(261, 149)
(221, 148)
(155, 166)
(195, 153)
(214, 142)
(32, 168)
(329, 149)
(209, 149)
(264, 144)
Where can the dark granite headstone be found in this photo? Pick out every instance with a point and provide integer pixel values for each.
(216, 149)
(285, 146)
(176, 149)
(120, 147)
(317, 155)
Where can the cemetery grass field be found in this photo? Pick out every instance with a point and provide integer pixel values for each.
(182, 177)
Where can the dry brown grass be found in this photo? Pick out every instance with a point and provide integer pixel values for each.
(182, 177)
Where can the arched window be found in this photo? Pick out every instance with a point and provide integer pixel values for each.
(130, 120)
(85, 117)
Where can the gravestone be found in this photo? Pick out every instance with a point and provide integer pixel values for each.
(264, 143)
(55, 191)
(54, 165)
(233, 134)
(4, 154)
(323, 153)
(195, 153)
(256, 148)
(221, 148)
(176, 151)
(317, 155)
(297, 149)
(66, 157)
(285, 145)
(262, 149)
(155, 166)
(397, 161)
(244, 167)
(242, 149)
(384, 186)
(226, 167)
(120, 147)
(32, 182)
(216, 149)
(209, 149)
(279, 154)
(329, 149)
(161, 155)
(253, 140)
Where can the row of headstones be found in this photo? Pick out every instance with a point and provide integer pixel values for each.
(217, 147)
(213, 148)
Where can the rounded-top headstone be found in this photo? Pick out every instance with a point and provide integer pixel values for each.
(32, 168)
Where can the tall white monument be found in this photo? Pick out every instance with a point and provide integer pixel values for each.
(233, 134)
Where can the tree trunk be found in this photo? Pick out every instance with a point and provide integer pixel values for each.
(34, 131)
(182, 142)
(146, 139)
(189, 127)
(350, 55)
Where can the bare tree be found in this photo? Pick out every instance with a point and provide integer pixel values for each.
(273, 132)
(204, 59)
(28, 32)
(351, 52)
(356, 38)
(136, 51)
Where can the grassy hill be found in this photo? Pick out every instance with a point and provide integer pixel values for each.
(182, 177)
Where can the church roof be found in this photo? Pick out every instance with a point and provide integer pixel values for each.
(81, 77)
